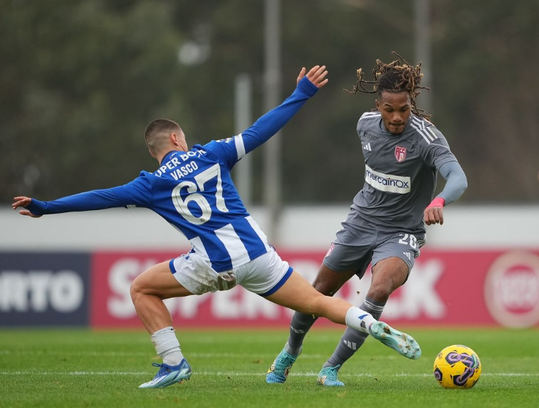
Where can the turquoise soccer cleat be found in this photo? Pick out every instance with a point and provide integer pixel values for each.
(402, 343)
(278, 372)
(168, 375)
(328, 377)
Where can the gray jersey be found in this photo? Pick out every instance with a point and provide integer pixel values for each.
(400, 172)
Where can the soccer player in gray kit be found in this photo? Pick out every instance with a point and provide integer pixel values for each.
(403, 152)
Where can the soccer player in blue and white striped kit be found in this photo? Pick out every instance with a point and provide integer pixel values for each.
(403, 153)
(192, 189)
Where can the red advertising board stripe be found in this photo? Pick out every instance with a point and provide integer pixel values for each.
(445, 288)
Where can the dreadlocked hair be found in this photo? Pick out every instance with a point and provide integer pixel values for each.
(395, 77)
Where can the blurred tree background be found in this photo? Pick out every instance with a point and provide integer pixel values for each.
(80, 80)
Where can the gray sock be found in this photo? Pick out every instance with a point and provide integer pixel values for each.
(353, 339)
(300, 325)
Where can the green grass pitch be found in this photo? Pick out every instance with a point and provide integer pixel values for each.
(85, 368)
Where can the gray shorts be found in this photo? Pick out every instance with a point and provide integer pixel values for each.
(355, 247)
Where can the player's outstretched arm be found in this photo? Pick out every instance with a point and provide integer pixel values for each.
(23, 201)
(134, 193)
(270, 123)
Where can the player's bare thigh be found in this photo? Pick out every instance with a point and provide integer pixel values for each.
(158, 281)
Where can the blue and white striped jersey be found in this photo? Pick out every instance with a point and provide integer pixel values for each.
(195, 193)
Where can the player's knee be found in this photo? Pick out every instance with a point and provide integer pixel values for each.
(319, 305)
(136, 288)
(327, 286)
(380, 292)
(325, 289)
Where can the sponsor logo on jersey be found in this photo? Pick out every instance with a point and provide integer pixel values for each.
(400, 153)
(367, 147)
(387, 182)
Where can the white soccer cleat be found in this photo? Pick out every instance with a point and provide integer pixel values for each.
(402, 343)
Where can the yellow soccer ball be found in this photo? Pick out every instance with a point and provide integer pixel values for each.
(457, 366)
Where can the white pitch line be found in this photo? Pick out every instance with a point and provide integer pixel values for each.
(234, 374)
(188, 355)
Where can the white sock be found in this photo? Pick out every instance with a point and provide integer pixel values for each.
(167, 346)
(359, 319)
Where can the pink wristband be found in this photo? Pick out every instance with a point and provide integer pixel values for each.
(437, 202)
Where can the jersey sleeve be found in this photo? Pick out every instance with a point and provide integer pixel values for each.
(135, 193)
(435, 148)
(366, 119)
(455, 182)
(229, 150)
(234, 148)
(438, 155)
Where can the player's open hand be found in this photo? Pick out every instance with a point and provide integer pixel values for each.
(317, 75)
(23, 202)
